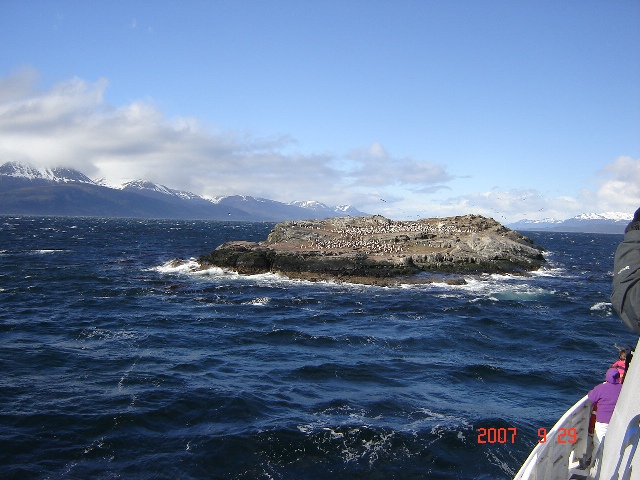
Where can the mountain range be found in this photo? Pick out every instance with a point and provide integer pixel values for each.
(26, 190)
(609, 222)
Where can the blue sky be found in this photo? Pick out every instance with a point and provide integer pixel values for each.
(511, 109)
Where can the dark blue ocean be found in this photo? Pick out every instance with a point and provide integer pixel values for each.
(116, 364)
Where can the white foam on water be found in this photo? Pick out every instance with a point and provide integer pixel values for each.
(178, 266)
(262, 301)
(495, 287)
(501, 464)
(332, 433)
(549, 272)
(193, 269)
(271, 279)
(601, 307)
(103, 334)
(445, 417)
(306, 429)
(372, 448)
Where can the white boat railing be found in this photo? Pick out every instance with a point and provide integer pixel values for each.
(566, 451)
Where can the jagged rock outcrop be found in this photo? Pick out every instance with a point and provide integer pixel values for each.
(355, 248)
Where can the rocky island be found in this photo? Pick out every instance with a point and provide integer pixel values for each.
(377, 250)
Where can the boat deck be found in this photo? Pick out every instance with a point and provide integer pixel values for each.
(566, 453)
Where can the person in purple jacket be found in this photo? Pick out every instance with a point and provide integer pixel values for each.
(605, 396)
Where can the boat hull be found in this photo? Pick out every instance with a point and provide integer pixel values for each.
(616, 458)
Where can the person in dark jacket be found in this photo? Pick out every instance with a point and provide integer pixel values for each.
(625, 295)
(605, 396)
(620, 455)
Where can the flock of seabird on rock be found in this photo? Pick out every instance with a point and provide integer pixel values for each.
(359, 237)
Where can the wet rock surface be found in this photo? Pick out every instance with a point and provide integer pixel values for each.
(377, 250)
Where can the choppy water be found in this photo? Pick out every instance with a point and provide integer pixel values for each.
(117, 365)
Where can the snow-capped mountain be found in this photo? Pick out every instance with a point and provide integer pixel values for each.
(272, 210)
(607, 222)
(340, 210)
(544, 222)
(25, 189)
(56, 175)
(615, 216)
(143, 185)
(310, 204)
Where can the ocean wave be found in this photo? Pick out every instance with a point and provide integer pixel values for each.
(178, 265)
(492, 287)
(96, 333)
(145, 368)
(333, 371)
(497, 287)
(192, 268)
(602, 307)
(41, 251)
(549, 272)
(261, 301)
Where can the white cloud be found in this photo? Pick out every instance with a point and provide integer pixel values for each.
(72, 125)
(375, 167)
(619, 186)
(18, 85)
(508, 206)
(617, 190)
